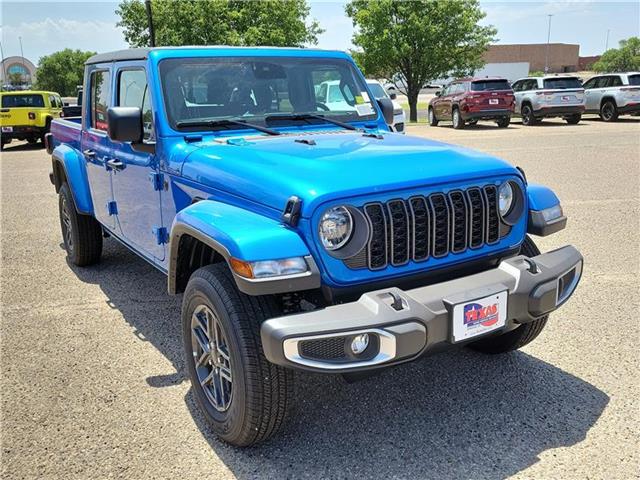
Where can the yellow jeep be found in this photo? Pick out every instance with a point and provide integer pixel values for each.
(27, 115)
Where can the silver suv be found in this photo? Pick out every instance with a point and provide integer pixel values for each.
(613, 94)
(551, 96)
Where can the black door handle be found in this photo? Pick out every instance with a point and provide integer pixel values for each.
(115, 164)
(89, 153)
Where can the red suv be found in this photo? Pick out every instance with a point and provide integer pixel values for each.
(471, 99)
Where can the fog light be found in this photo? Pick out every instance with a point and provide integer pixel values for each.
(359, 343)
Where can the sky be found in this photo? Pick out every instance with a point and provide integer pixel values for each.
(49, 26)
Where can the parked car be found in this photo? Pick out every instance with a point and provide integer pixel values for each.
(379, 92)
(299, 237)
(613, 94)
(74, 110)
(471, 99)
(550, 96)
(27, 115)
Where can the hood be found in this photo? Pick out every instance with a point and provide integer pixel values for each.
(269, 170)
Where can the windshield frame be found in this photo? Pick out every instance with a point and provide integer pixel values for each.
(350, 117)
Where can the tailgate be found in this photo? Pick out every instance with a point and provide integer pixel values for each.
(491, 100)
(562, 97)
(16, 116)
(631, 94)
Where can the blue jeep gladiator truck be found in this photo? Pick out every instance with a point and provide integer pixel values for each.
(301, 235)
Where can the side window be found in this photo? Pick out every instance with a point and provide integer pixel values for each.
(133, 91)
(100, 93)
(615, 81)
(516, 86)
(602, 82)
(589, 84)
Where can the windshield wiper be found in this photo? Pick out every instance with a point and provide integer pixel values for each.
(224, 122)
(307, 116)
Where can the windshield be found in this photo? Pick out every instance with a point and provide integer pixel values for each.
(562, 83)
(490, 85)
(14, 101)
(253, 88)
(634, 79)
(377, 90)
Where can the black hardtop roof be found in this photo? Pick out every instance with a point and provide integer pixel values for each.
(142, 53)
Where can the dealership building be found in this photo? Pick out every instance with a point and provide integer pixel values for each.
(562, 57)
(17, 65)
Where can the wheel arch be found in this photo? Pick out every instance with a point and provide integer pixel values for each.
(69, 167)
(608, 97)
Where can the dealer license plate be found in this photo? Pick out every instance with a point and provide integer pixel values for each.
(7, 129)
(479, 316)
(493, 101)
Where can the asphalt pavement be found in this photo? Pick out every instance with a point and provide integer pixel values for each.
(92, 380)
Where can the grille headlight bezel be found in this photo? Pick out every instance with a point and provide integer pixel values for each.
(335, 227)
(505, 199)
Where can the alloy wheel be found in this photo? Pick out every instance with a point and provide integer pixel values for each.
(608, 111)
(211, 357)
(67, 228)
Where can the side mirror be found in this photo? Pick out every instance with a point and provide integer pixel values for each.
(386, 106)
(393, 96)
(438, 93)
(124, 124)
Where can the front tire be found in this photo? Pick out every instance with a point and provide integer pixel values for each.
(573, 119)
(81, 234)
(458, 122)
(243, 396)
(528, 118)
(522, 335)
(608, 111)
(433, 121)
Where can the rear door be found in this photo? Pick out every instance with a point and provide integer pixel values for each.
(96, 146)
(137, 181)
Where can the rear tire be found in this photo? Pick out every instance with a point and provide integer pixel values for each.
(573, 119)
(433, 121)
(472, 122)
(47, 128)
(503, 122)
(81, 234)
(609, 111)
(528, 118)
(522, 335)
(458, 122)
(254, 394)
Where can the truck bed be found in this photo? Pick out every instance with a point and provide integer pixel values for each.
(67, 131)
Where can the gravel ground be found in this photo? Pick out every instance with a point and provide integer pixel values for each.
(93, 382)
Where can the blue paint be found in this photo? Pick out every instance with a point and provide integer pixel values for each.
(232, 185)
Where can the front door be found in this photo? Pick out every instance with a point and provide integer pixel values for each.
(96, 147)
(137, 182)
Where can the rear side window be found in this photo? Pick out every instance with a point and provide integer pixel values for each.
(634, 79)
(100, 93)
(133, 91)
(615, 81)
(490, 85)
(562, 83)
(17, 101)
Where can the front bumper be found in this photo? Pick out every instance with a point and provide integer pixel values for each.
(404, 325)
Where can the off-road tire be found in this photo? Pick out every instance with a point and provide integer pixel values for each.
(573, 119)
(456, 118)
(503, 122)
(528, 118)
(431, 115)
(81, 234)
(261, 391)
(522, 335)
(609, 111)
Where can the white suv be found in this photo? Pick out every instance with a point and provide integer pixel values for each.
(613, 94)
(551, 96)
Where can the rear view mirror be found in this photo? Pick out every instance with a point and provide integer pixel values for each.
(124, 124)
(386, 106)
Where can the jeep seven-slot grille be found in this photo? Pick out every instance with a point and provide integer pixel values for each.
(429, 226)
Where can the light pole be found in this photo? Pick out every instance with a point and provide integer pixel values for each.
(4, 70)
(546, 54)
(24, 67)
(606, 43)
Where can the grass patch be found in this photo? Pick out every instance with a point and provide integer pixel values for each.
(421, 106)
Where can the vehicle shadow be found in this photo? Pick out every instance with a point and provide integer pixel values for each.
(22, 146)
(458, 414)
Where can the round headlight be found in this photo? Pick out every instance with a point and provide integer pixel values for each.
(336, 226)
(505, 198)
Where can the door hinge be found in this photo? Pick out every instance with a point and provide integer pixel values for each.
(112, 208)
(162, 236)
(157, 179)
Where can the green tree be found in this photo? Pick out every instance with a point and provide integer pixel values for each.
(413, 42)
(62, 71)
(623, 59)
(219, 22)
